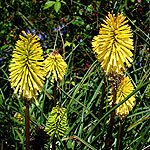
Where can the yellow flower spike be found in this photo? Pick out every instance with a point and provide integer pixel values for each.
(26, 67)
(124, 89)
(57, 122)
(113, 44)
(55, 66)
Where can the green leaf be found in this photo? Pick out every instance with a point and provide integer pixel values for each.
(1, 101)
(78, 21)
(57, 6)
(116, 106)
(4, 47)
(2, 32)
(63, 2)
(142, 137)
(20, 136)
(49, 4)
(67, 44)
(69, 144)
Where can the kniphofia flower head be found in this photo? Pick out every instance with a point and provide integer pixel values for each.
(57, 122)
(55, 66)
(26, 68)
(124, 89)
(113, 44)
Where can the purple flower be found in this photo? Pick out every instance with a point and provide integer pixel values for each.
(55, 29)
(33, 30)
(44, 45)
(59, 27)
(40, 36)
(28, 32)
(81, 40)
(45, 35)
(1, 61)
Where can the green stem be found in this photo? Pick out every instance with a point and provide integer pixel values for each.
(27, 126)
(109, 138)
(54, 143)
(55, 41)
(119, 135)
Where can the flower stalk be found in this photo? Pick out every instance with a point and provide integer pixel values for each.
(119, 135)
(109, 138)
(54, 143)
(27, 126)
(27, 73)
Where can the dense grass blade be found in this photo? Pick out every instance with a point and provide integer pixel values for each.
(116, 106)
